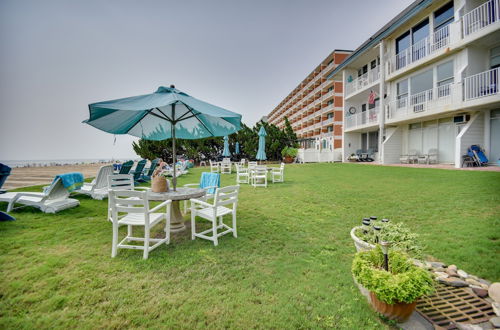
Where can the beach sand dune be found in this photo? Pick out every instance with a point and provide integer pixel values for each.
(31, 176)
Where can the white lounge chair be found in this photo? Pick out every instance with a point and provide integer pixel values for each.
(215, 212)
(131, 208)
(242, 174)
(278, 174)
(98, 188)
(55, 198)
(259, 176)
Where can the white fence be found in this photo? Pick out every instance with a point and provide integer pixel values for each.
(480, 17)
(481, 84)
(319, 156)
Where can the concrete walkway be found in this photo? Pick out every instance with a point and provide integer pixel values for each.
(440, 166)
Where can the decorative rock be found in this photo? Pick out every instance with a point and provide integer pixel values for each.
(440, 269)
(495, 321)
(496, 308)
(473, 282)
(480, 292)
(488, 283)
(451, 272)
(484, 286)
(486, 326)
(473, 277)
(494, 291)
(437, 264)
(453, 267)
(453, 281)
(462, 274)
(441, 274)
(465, 326)
(419, 263)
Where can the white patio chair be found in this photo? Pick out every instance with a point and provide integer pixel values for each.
(242, 174)
(278, 174)
(225, 166)
(131, 208)
(259, 176)
(55, 198)
(98, 188)
(121, 182)
(215, 212)
(209, 190)
(214, 167)
(432, 156)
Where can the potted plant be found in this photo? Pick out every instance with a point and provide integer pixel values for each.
(393, 292)
(289, 154)
(402, 238)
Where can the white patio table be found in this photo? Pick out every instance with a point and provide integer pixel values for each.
(182, 193)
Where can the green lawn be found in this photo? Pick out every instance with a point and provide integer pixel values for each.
(289, 267)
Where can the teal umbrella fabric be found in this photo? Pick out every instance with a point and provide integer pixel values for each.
(166, 113)
(261, 152)
(226, 152)
(237, 148)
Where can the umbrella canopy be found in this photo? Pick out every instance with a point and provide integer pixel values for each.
(226, 152)
(237, 148)
(166, 113)
(261, 153)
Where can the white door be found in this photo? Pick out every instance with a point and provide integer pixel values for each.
(495, 137)
(446, 142)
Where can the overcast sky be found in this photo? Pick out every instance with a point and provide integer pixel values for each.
(56, 57)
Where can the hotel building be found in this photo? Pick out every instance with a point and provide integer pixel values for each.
(427, 83)
(314, 108)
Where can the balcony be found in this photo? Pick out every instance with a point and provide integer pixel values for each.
(363, 119)
(431, 101)
(421, 49)
(481, 17)
(328, 108)
(481, 85)
(364, 80)
(326, 134)
(327, 95)
(328, 121)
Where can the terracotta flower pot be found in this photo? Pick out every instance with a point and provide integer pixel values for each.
(399, 312)
(288, 160)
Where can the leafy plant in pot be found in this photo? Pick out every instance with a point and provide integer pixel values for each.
(289, 154)
(393, 292)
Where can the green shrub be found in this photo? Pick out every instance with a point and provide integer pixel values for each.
(289, 152)
(401, 237)
(404, 282)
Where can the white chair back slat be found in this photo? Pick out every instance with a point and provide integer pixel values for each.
(121, 182)
(56, 191)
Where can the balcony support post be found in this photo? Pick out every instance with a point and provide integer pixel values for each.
(381, 111)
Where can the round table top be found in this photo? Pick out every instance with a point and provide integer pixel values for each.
(181, 194)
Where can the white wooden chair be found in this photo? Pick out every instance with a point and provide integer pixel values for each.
(131, 208)
(225, 166)
(214, 167)
(215, 212)
(278, 174)
(210, 190)
(55, 198)
(98, 188)
(121, 182)
(259, 176)
(242, 174)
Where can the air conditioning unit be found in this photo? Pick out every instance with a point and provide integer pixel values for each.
(461, 119)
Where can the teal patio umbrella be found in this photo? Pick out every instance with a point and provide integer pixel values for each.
(164, 114)
(261, 152)
(237, 148)
(226, 152)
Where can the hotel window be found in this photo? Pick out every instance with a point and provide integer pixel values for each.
(495, 58)
(443, 16)
(402, 93)
(330, 129)
(373, 64)
(330, 89)
(373, 141)
(444, 78)
(363, 70)
(330, 115)
(330, 102)
(421, 82)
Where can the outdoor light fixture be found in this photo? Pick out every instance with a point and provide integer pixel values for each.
(377, 233)
(373, 218)
(366, 225)
(385, 220)
(385, 250)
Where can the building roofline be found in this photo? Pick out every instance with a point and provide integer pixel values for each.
(392, 25)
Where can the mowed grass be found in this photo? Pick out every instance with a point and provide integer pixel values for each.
(288, 268)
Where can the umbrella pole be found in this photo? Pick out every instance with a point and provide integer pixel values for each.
(174, 180)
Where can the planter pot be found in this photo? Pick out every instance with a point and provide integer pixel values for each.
(288, 160)
(360, 244)
(399, 312)
(159, 184)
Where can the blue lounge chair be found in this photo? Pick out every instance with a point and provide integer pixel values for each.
(4, 173)
(477, 153)
(149, 173)
(137, 172)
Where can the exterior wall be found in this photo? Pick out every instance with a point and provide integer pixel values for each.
(472, 133)
(393, 145)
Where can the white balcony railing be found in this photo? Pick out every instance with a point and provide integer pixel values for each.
(327, 95)
(364, 118)
(328, 134)
(328, 108)
(482, 84)
(327, 121)
(421, 49)
(432, 100)
(481, 17)
(364, 80)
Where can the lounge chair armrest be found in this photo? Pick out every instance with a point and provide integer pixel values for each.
(200, 202)
(162, 204)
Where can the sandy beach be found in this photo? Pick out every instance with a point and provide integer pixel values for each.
(30, 176)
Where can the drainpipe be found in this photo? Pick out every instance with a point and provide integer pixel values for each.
(381, 114)
(344, 84)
